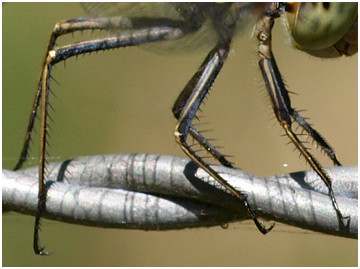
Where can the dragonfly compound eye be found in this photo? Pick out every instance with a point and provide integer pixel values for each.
(319, 26)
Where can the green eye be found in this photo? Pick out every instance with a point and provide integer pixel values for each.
(317, 26)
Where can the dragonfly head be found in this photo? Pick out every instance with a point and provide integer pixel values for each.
(323, 29)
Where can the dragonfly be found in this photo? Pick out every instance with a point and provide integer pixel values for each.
(319, 29)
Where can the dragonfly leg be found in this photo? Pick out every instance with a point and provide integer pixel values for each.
(163, 30)
(282, 106)
(61, 28)
(177, 109)
(35, 105)
(200, 84)
(82, 24)
(316, 136)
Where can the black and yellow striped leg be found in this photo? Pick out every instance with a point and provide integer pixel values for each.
(174, 28)
(284, 112)
(165, 30)
(178, 108)
(201, 83)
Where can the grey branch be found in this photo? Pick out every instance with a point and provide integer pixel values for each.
(157, 192)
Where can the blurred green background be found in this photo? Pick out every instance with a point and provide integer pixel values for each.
(120, 101)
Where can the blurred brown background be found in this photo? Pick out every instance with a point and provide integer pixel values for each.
(120, 101)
